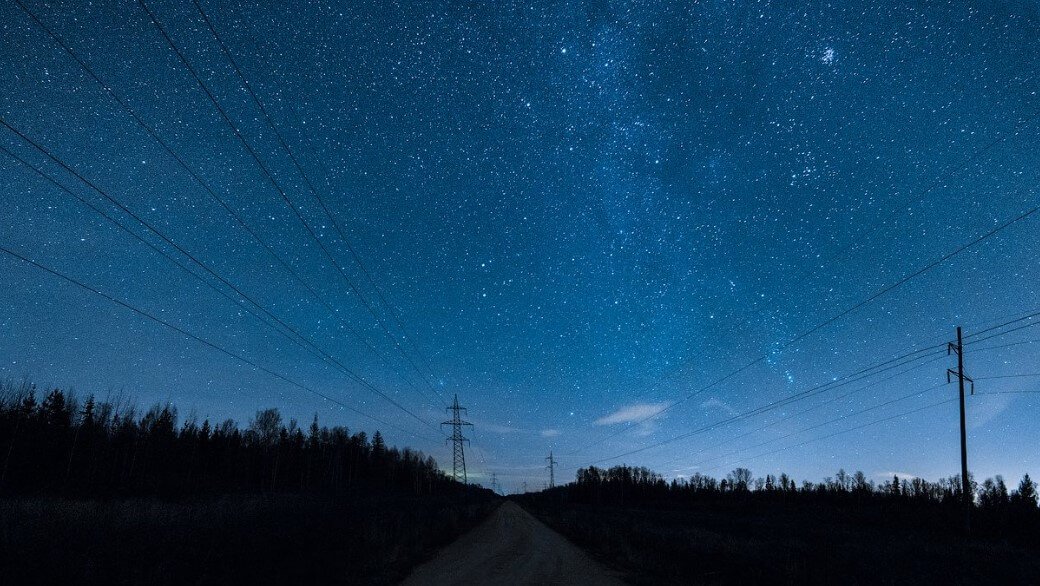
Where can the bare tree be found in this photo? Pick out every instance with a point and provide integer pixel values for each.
(266, 425)
(740, 478)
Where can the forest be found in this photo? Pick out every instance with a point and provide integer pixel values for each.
(86, 483)
(848, 528)
(97, 491)
(58, 445)
(641, 486)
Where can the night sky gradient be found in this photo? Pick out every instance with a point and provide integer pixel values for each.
(580, 213)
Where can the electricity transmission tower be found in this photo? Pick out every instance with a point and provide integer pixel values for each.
(525, 487)
(552, 469)
(494, 483)
(958, 347)
(458, 456)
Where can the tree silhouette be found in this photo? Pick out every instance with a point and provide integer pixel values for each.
(740, 479)
(1025, 496)
(104, 449)
(993, 493)
(266, 425)
(917, 498)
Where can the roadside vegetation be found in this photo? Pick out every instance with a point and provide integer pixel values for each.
(743, 529)
(98, 492)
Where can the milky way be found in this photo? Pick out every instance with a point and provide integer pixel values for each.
(580, 214)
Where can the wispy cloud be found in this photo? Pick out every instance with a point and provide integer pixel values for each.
(983, 412)
(499, 429)
(719, 405)
(637, 412)
(901, 475)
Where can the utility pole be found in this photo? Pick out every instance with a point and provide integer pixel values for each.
(458, 456)
(494, 483)
(969, 500)
(552, 470)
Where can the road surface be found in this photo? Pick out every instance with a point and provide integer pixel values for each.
(511, 547)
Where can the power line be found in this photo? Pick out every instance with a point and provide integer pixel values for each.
(790, 416)
(952, 169)
(850, 430)
(861, 374)
(265, 171)
(1002, 346)
(1027, 316)
(849, 379)
(144, 240)
(1005, 332)
(819, 425)
(203, 183)
(310, 185)
(1022, 375)
(197, 338)
(236, 302)
(1030, 392)
(1018, 127)
(885, 290)
(934, 349)
(121, 226)
(938, 181)
(480, 454)
(205, 267)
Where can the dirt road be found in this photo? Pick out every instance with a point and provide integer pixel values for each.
(511, 547)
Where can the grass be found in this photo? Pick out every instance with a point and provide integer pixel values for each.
(786, 544)
(233, 540)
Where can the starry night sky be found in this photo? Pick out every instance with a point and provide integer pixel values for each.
(580, 212)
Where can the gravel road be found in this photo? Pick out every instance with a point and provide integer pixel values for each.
(512, 547)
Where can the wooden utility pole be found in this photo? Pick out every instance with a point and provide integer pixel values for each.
(969, 498)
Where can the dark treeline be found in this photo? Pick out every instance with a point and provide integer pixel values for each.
(52, 444)
(845, 529)
(638, 485)
(998, 508)
(98, 492)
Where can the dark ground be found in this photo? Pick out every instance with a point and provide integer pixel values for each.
(232, 540)
(786, 544)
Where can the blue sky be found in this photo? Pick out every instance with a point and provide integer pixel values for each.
(580, 213)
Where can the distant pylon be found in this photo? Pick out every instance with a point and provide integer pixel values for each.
(494, 483)
(552, 469)
(458, 456)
